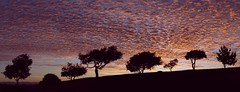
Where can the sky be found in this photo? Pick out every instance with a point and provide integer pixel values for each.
(54, 32)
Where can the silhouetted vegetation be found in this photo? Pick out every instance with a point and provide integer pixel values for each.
(212, 80)
(100, 57)
(20, 68)
(141, 61)
(50, 80)
(171, 64)
(194, 55)
(71, 71)
(223, 80)
(226, 56)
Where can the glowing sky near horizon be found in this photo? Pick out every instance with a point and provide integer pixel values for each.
(53, 32)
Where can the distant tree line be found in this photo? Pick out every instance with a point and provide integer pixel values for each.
(99, 58)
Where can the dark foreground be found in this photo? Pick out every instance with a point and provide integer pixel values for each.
(211, 80)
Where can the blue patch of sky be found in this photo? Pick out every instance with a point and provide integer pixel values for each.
(93, 16)
(167, 1)
(106, 5)
(65, 60)
(88, 2)
(136, 24)
(181, 2)
(82, 12)
(150, 24)
(4, 4)
(125, 22)
(193, 14)
(81, 23)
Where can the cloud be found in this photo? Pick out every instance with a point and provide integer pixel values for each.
(53, 30)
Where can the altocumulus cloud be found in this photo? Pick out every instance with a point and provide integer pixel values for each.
(61, 28)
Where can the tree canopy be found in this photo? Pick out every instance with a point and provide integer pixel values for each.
(99, 58)
(50, 80)
(226, 56)
(20, 68)
(194, 55)
(141, 61)
(71, 71)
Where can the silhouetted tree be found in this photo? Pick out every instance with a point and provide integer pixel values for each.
(226, 56)
(71, 71)
(99, 58)
(141, 61)
(20, 68)
(194, 55)
(50, 81)
(171, 64)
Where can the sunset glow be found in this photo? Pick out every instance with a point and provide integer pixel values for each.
(54, 32)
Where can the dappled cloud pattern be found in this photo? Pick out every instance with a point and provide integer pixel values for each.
(168, 27)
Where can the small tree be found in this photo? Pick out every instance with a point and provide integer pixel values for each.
(20, 68)
(99, 58)
(50, 80)
(50, 83)
(71, 71)
(194, 55)
(141, 61)
(171, 64)
(226, 56)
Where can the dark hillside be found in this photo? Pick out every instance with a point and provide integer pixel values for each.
(208, 80)
(199, 80)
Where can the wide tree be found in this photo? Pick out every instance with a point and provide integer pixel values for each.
(171, 64)
(141, 61)
(73, 70)
(226, 56)
(194, 55)
(50, 80)
(50, 83)
(99, 58)
(20, 68)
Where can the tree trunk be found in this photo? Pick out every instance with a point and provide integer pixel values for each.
(17, 82)
(193, 64)
(224, 65)
(96, 72)
(142, 71)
